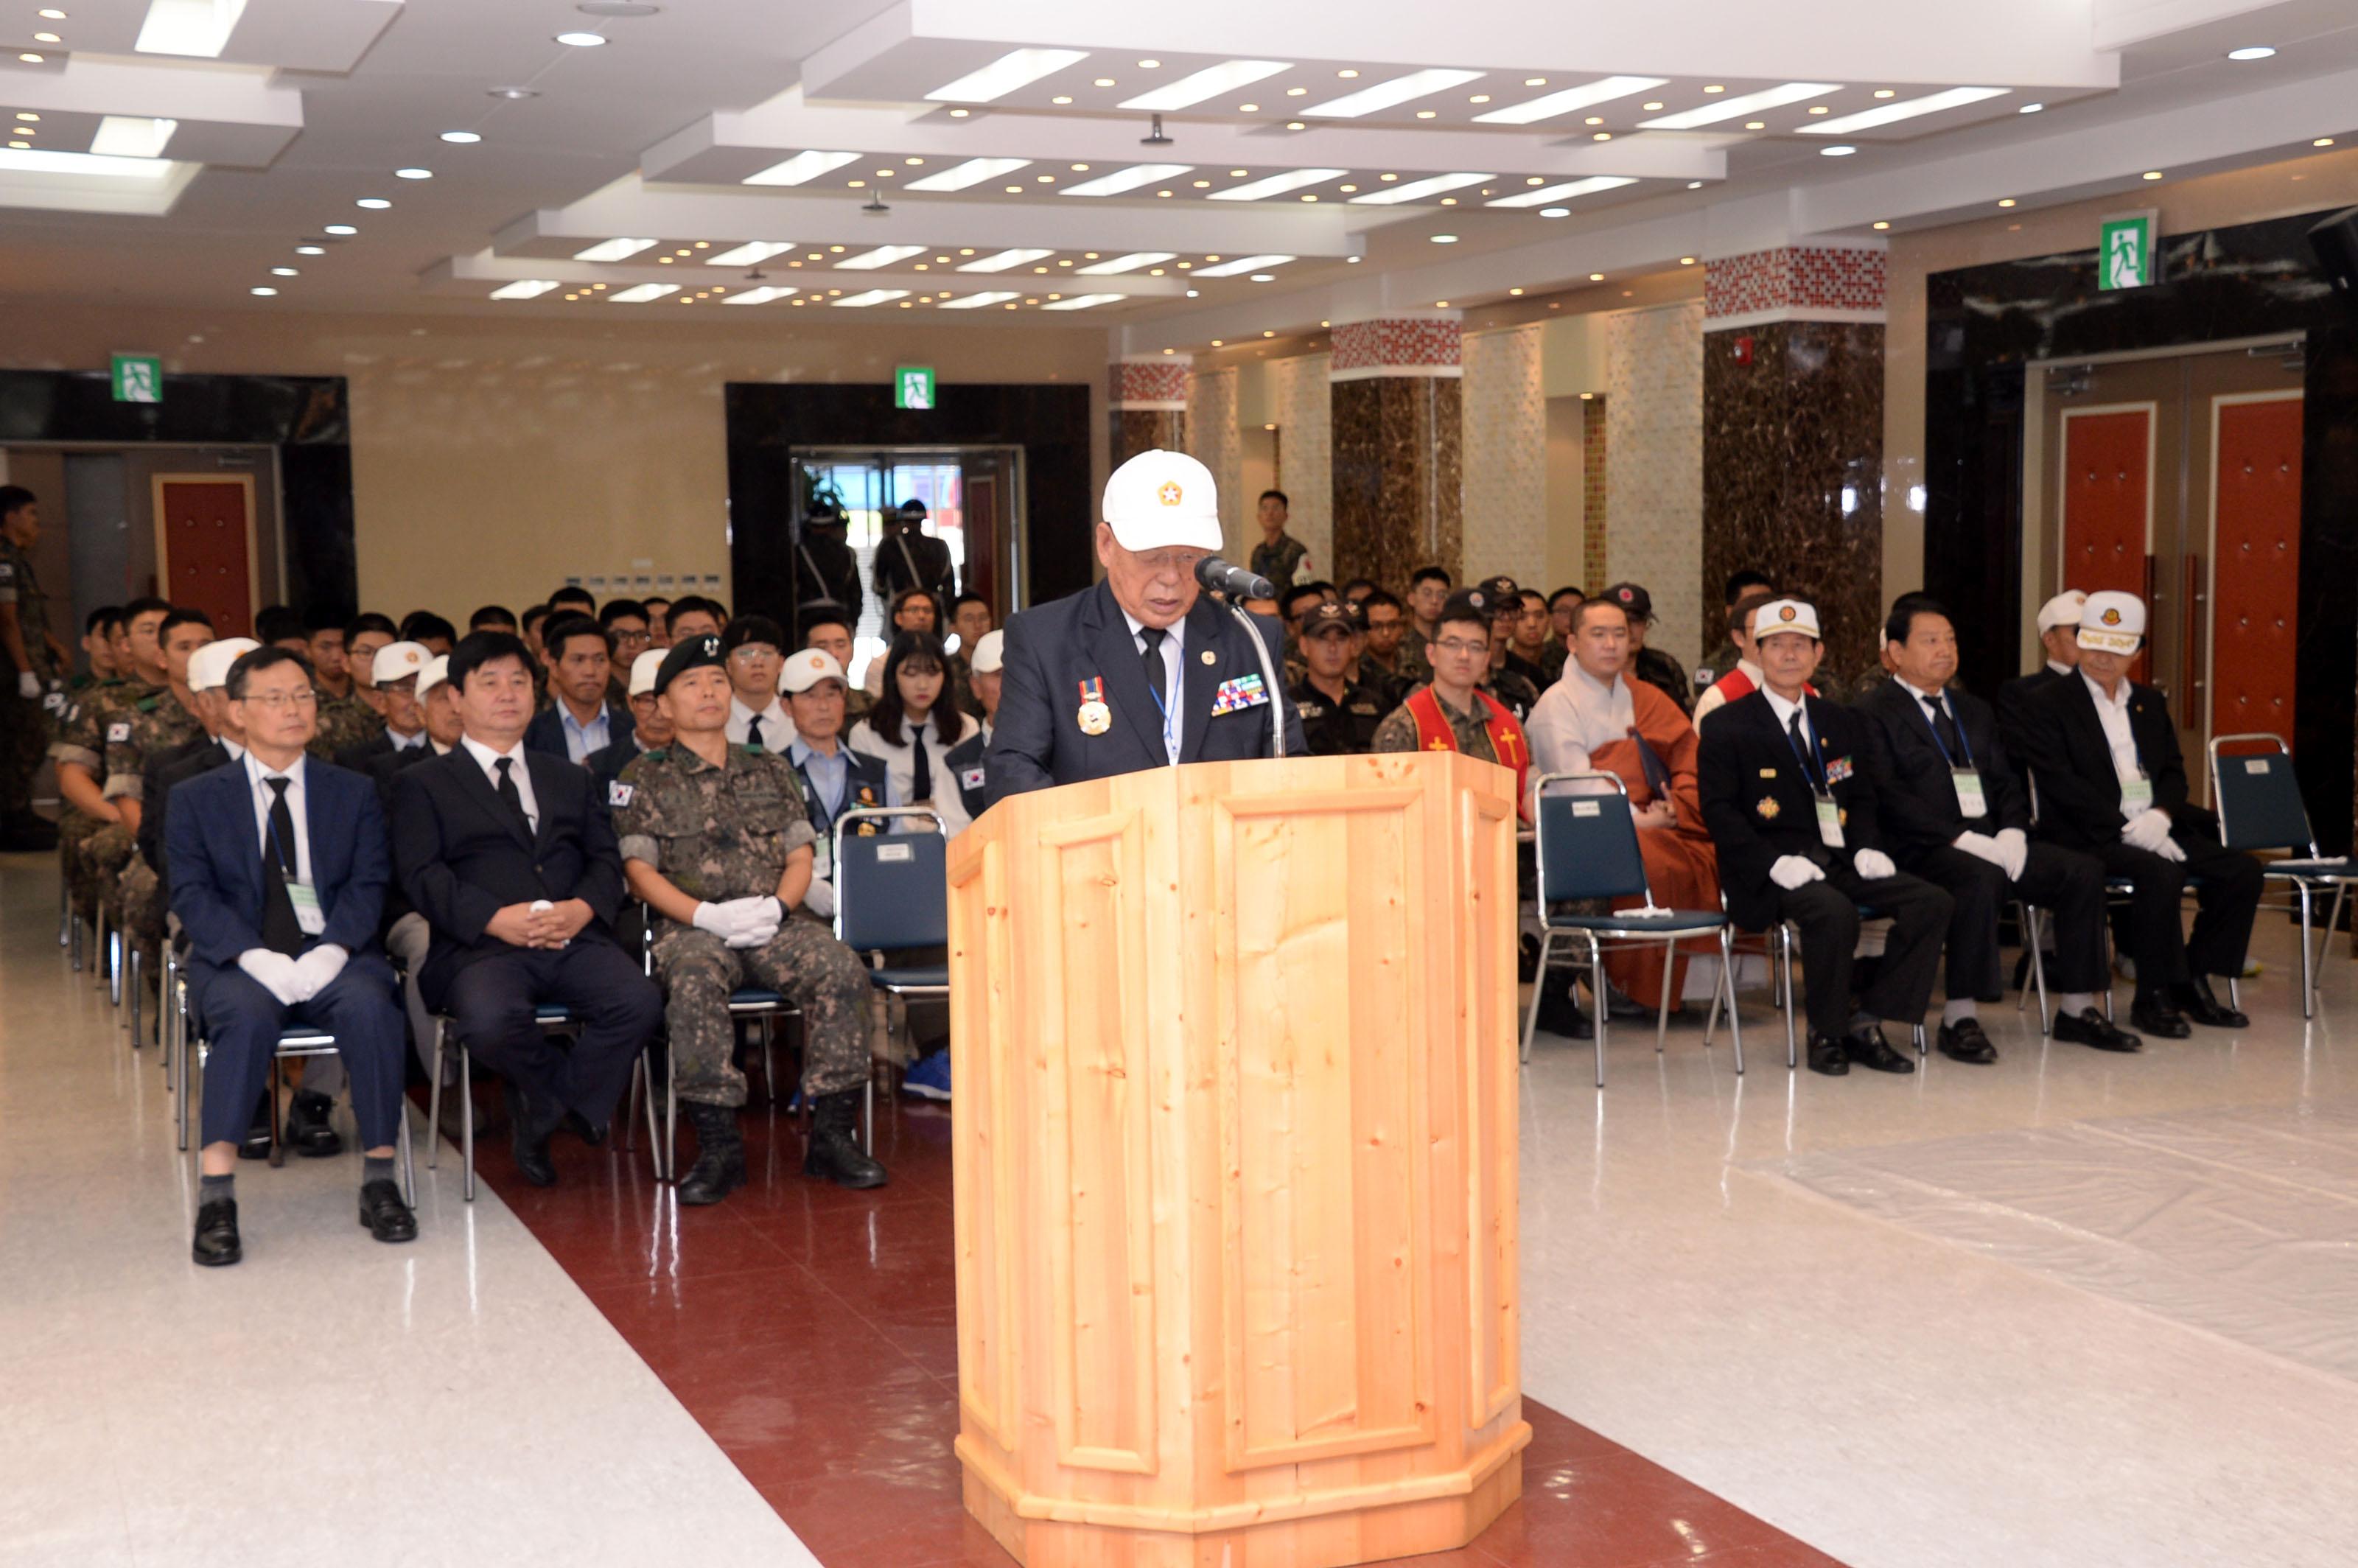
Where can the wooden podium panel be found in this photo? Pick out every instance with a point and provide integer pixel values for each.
(1234, 1158)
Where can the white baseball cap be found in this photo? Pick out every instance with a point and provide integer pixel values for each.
(805, 669)
(208, 665)
(436, 671)
(396, 661)
(643, 670)
(1159, 499)
(986, 660)
(2113, 622)
(2063, 610)
(1785, 615)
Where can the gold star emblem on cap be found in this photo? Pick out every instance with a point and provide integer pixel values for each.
(1170, 493)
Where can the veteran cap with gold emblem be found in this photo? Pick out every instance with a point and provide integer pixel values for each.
(1161, 499)
(2113, 622)
(208, 665)
(643, 670)
(1785, 615)
(2063, 610)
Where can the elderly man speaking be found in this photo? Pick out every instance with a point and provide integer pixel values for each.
(1141, 671)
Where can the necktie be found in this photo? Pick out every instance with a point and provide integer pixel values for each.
(1801, 747)
(753, 731)
(1944, 727)
(281, 931)
(921, 767)
(1152, 662)
(509, 792)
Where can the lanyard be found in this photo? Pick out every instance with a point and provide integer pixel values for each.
(291, 867)
(1163, 704)
(1963, 739)
(820, 807)
(1817, 743)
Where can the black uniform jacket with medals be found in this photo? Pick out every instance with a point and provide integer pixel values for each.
(1760, 800)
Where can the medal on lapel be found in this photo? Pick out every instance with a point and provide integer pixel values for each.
(1095, 716)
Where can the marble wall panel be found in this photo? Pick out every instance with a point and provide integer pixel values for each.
(1653, 456)
(1300, 404)
(1594, 496)
(1397, 466)
(1506, 513)
(1211, 436)
(1136, 430)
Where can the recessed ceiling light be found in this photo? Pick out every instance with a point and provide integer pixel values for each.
(1003, 260)
(26, 115)
(1883, 222)
(1278, 184)
(641, 293)
(1649, 108)
(1346, 75)
(2152, 174)
(1553, 193)
(610, 249)
(1842, 151)
(1478, 98)
(2250, 52)
(1737, 108)
(1264, 278)
(973, 171)
(1426, 113)
(1295, 126)
(347, 229)
(1130, 263)
(1241, 266)
(36, 59)
(2322, 142)
(2030, 108)
(751, 253)
(526, 288)
(1103, 81)
(871, 297)
(1443, 239)
(1908, 109)
(1433, 185)
(21, 146)
(761, 296)
(1597, 277)
(1150, 65)
(1017, 68)
(1514, 291)
(1686, 261)
(1755, 124)
(2005, 201)
(1593, 120)
(413, 174)
(581, 40)
(1247, 108)
(1555, 211)
(977, 301)
(882, 255)
(512, 92)
(1714, 87)
(1083, 302)
(1129, 179)
(51, 14)
(131, 135)
(285, 272)
(1819, 109)
(1441, 304)
(310, 249)
(265, 293)
(47, 39)
(1389, 94)
(462, 137)
(1887, 92)
(374, 203)
(1587, 95)
(954, 114)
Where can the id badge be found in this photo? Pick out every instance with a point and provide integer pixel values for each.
(1969, 792)
(2136, 795)
(308, 915)
(1830, 829)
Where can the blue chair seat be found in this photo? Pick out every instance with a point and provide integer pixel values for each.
(755, 996)
(1659, 924)
(552, 1012)
(915, 975)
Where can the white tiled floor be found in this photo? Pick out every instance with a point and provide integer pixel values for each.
(1903, 1400)
(456, 1400)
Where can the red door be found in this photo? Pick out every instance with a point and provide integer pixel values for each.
(2256, 564)
(2107, 504)
(202, 528)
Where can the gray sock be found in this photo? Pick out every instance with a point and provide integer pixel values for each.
(1954, 1009)
(374, 1169)
(217, 1189)
(2076, 1004)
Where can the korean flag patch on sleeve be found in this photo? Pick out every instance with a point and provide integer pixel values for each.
(619, 794)
(118, 734)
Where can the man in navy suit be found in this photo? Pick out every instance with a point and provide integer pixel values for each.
(514, 866)
(582, 720)
(1141, 671)
(278, 872)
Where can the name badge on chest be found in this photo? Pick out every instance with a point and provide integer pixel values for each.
(2136, 794)
(1969, 801)
(1830, 827)
(308, 916)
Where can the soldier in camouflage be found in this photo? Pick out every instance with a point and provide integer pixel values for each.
(157, 723)
(716, 840)
(96, 837)
(30, 682)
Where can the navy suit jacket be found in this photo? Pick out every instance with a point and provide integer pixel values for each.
(1036, 742)
(2063, 742)
(545, 733)
(1760, 804)
(1914, 793)
(214, 851)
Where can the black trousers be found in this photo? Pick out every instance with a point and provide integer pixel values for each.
(241, 1020)
(1826, 913)
(2069, 886)
(491, 1002)
(2230, 896)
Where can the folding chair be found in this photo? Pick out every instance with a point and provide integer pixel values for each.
(1589, 850)
(553, 1018)
(295, 1040)
(766, 1007)
(2260, 807)
(1777, 944)
(893, 895)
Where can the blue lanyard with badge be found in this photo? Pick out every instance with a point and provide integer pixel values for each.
(2136, 785)
(310, 918)
(1971, 801)
(823, 820)
(1822, 780)
(1165, 707)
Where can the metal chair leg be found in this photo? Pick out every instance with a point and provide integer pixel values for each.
(1919, 1032)
(73, 932)
(1727, 980)
(1662, 1013)
(434, 1102)
(116, 946)
(1596, 991)
(408, 1158)
(467, 1122)
(769, 1063)
(1784, 978)
(2037, 925)
(671, 1114)
(137, 963)
(1539, 986)
(867, 1117)
(2307, 986)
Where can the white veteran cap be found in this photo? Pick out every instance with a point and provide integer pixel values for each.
(436, 671)
(1159, 499)
(643, 670)
(2113, 622)
(1785, 615)
(208, 665)
(397, 661)
(987, 659)
(2063, 610)
(806, 669)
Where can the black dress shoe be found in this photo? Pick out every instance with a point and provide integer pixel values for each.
(593, 1133)
(384, 1214)
(719, 1167)
(1964, 1042)
(216, 1241)
(256, 1144)
(2155, 1015)
(1827, 1056)
(308, 1132)
(1868, 1048)
(1559, 1014)
(2196, 999)
(2093, 1027)
(528, 1135)
(833, 1153)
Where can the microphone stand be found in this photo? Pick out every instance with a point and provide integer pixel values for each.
(1268, 676)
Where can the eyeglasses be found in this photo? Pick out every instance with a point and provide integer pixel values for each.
(754, 653)
(633, 639)
(274, 700)
(1460, 645)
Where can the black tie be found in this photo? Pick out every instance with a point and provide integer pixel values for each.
(1945, 728)
(921, 767)
(509, 792)
(1801, 747)
(281, 931)
(1150, 660)
(753, 731)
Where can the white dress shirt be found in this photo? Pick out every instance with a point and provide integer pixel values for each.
(402, 742)
(2113, 713)
(777, 728)
(489, 760)
(263, 795)
(2060, 669)
(1174, 666)
(1784, 711)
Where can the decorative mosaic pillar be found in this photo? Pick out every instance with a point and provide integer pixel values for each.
(1147, 399)
(1395, 403)
(1792, 456)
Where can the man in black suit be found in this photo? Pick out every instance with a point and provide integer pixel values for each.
(2059, 638)
(516, 869)
(2111, 784)
(580, 720)
(1954, 812)
(1788, 797)
(1141, 671)
(392, 676)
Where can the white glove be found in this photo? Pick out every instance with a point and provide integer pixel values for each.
(1982, 846)
(759, 923)
(2149, 830)
(820, 898)
(28, 685)
(2015, 847)
(1791, 872)
(273, 972)
(315, 970)
(720, 919)
(1873, 865)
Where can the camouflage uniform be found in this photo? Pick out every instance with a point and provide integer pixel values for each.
(1398, 732)
(24, 729)
(1666, 674)
(723, 833)
(344, 721)
(1280, 561)
(142, 726)
(1410, 664)
(856, 706)
(83, 848)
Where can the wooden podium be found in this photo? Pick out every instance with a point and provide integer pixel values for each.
(1235, 1157)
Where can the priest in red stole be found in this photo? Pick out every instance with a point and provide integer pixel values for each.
(1595, 717)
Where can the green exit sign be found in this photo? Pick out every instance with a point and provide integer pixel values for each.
(2124, 253)
(912, 386)
(138, 378)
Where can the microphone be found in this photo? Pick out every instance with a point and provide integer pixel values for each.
(1219, 577)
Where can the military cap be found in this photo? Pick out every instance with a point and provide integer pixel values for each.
(1329, 617)
(696, 654)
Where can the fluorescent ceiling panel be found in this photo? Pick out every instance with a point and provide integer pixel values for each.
(524, 288)
(1602, 91)
(1123, 180)
(1720, 109)
(1417, 189)
(1241, 265)
(640, 292)
(1553, 193)
(1016, 68)
(1130, 263)
(1387, 94)
(761, 296)
(1885, 113)
(36, 162)
(1083, 301)
(199, 27)
(1209, 82)
(800, 168)
(132, 136)
(873, 297)
(614, 250)
(977, 301)
(973, 171)
(1003, 260)
(1278, 184)
(882, 255)
(750, 253)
